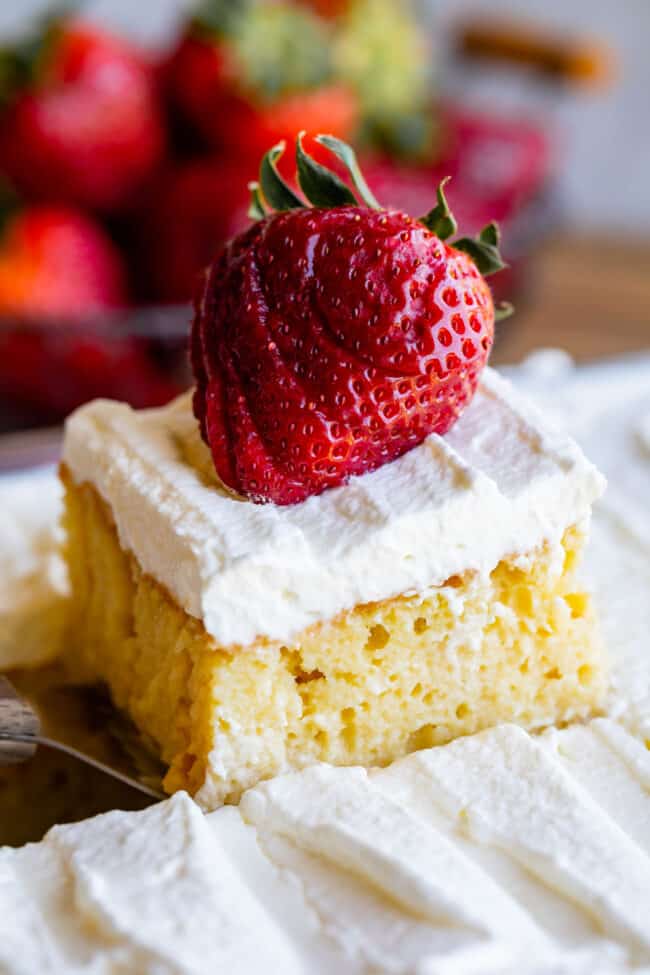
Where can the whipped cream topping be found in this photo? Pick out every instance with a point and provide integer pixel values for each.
(505, 789)
(155, 892)
(336, 814)
(559, 881)
(501, 482)
(499, 854)
(33, 577)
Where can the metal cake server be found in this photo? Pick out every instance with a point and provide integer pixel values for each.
(26, 724)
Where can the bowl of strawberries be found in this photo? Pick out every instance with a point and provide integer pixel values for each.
(81, 133)
(122, 174)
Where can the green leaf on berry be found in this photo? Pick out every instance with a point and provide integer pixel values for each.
(256, 208)
(320, 185)
(323, 188)
(484, 250)
(490, 234)
(276, 191)
(348, 157)
(440, 220)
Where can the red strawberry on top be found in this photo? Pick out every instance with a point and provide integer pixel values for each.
(80, 122)
(330, 340)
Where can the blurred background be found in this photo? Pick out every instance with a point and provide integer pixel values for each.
(128, 133)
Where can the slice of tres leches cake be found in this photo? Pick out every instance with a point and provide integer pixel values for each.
(428, 599)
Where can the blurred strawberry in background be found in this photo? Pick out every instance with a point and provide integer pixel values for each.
(248, 74)
(191, 209)
(55, 261)
(497, 166)
(382, 53)
(80, 120)
(62, 280)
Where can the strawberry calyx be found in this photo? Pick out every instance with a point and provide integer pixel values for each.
(483, 249)
(322, 187)
(276, 49)
(316, 179)
(219, 18)
(384, 55)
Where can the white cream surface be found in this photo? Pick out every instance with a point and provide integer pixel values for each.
(33, 578)
(150, 893)
(501, 482)
(500, 854)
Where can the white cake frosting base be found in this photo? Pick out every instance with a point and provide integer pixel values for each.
(499, 854)
(501, 482)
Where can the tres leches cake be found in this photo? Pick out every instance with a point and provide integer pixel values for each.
(355, 542)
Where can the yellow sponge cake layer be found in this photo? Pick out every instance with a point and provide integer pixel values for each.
(373, 683)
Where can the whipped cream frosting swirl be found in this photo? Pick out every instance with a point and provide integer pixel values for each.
(499, 854)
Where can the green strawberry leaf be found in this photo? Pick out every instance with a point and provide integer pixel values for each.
(278, 193)
(323, 188)
(320, 185)
(256, 208)
(348, 157)
(440, 220)
(490, 234)
(484, 250)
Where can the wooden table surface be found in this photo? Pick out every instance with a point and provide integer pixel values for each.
(588, 295)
